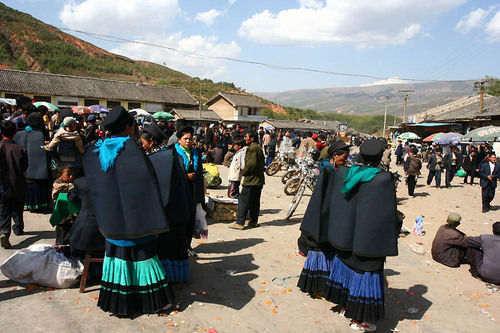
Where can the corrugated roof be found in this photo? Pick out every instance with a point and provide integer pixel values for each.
(491, 108)
(75, 86)
(237, 100)
(193, 114)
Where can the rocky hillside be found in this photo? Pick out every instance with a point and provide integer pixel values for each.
(29, 44)
(370, 100)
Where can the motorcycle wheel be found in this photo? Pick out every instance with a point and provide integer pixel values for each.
(289, 174)
(292, 186)
(273, 168)
(295, 202)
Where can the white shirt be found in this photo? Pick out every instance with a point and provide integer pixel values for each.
(492, 167)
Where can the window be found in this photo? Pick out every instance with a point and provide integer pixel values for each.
(67, 103)
(89, 102)
(42, 98)
(12, 96)
(132, 105)
(112, 104)
(252, 111)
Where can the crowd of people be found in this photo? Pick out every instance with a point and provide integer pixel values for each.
(144, 225)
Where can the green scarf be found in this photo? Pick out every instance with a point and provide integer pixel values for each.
(358, 174)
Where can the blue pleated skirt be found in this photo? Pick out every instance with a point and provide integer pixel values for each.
(361, 294)
(317, 268)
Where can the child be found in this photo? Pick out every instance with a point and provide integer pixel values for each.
(63, 184)
(237, 164)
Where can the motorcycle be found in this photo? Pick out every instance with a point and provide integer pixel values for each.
(297, 184)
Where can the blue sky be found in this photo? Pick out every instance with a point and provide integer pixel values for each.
(387, 39)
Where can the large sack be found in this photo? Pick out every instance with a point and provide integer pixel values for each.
(43, 265)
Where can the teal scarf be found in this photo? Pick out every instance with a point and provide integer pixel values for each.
(109, 149)
(185, 158)
(358, 174)
(28, 129)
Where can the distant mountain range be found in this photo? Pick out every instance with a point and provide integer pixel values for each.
(370, 100)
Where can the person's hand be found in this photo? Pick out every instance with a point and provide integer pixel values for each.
(490, 177)
(190, 176)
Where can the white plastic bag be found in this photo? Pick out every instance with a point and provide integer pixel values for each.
(43, 265)
(200, 225)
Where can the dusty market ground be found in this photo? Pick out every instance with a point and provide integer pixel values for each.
(232, 289)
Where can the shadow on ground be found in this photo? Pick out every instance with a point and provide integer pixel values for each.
(37, 235)
(219, 280)
(227, 247)
(10, 289)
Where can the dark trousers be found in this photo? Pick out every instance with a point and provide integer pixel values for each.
(487, 195)
(412, 182)
(438, 178)
(11, 209)
(399, 159)
(470, 174)
(233, 190)
(449, 174)
(432, 174)
(249, 202)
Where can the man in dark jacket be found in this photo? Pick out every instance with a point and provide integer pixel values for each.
(253, 181)
(399, 153)
(449, 246)
(485, 260)
(489, 172)
(13, 163)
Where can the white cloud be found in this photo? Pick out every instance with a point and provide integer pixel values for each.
(231, 2)
(195, 66)
(359, 22)
(209, 16)
(311, 4)
(493, 27)
(392, 80)
(135, 18)
(472, 20)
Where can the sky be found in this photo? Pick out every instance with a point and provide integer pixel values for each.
(339, 43)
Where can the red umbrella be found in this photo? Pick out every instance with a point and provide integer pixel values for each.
(81, 109)
(432, 137)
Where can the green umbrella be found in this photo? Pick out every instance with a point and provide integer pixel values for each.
(486, 133)
(162, 116)
(49, 106)
(408, 136)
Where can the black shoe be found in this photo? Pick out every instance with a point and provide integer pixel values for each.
(18, 233)
(485, 210)
(4, 241)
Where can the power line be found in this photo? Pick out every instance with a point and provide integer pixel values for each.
(274, 66)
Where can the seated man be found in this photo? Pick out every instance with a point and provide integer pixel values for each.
(485, 257)
(450, 244)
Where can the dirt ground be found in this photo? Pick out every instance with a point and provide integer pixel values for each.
(232, 287)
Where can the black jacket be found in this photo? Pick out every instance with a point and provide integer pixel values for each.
(13, 164)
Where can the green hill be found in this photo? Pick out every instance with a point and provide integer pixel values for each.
(29, 44)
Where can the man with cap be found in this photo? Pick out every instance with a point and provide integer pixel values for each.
(399, 153)
(449, 246)
(128, 207)
(338, 152)
(91, 129)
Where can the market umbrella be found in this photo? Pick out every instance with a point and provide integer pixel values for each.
(9, 101)
(487, 133)
(431, 137)
(81, 109)
(98, 109)
(448, 138)
(408, 136)
(48, 105)
(162, 116)
(141, 112)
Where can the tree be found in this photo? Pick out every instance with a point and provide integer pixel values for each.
(493, 87)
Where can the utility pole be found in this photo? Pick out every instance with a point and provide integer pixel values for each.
(385, 114)
(480, 85)
(406, 91)
(199, 106)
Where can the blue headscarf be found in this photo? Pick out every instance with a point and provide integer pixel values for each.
(109, 149)
(185, 158)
